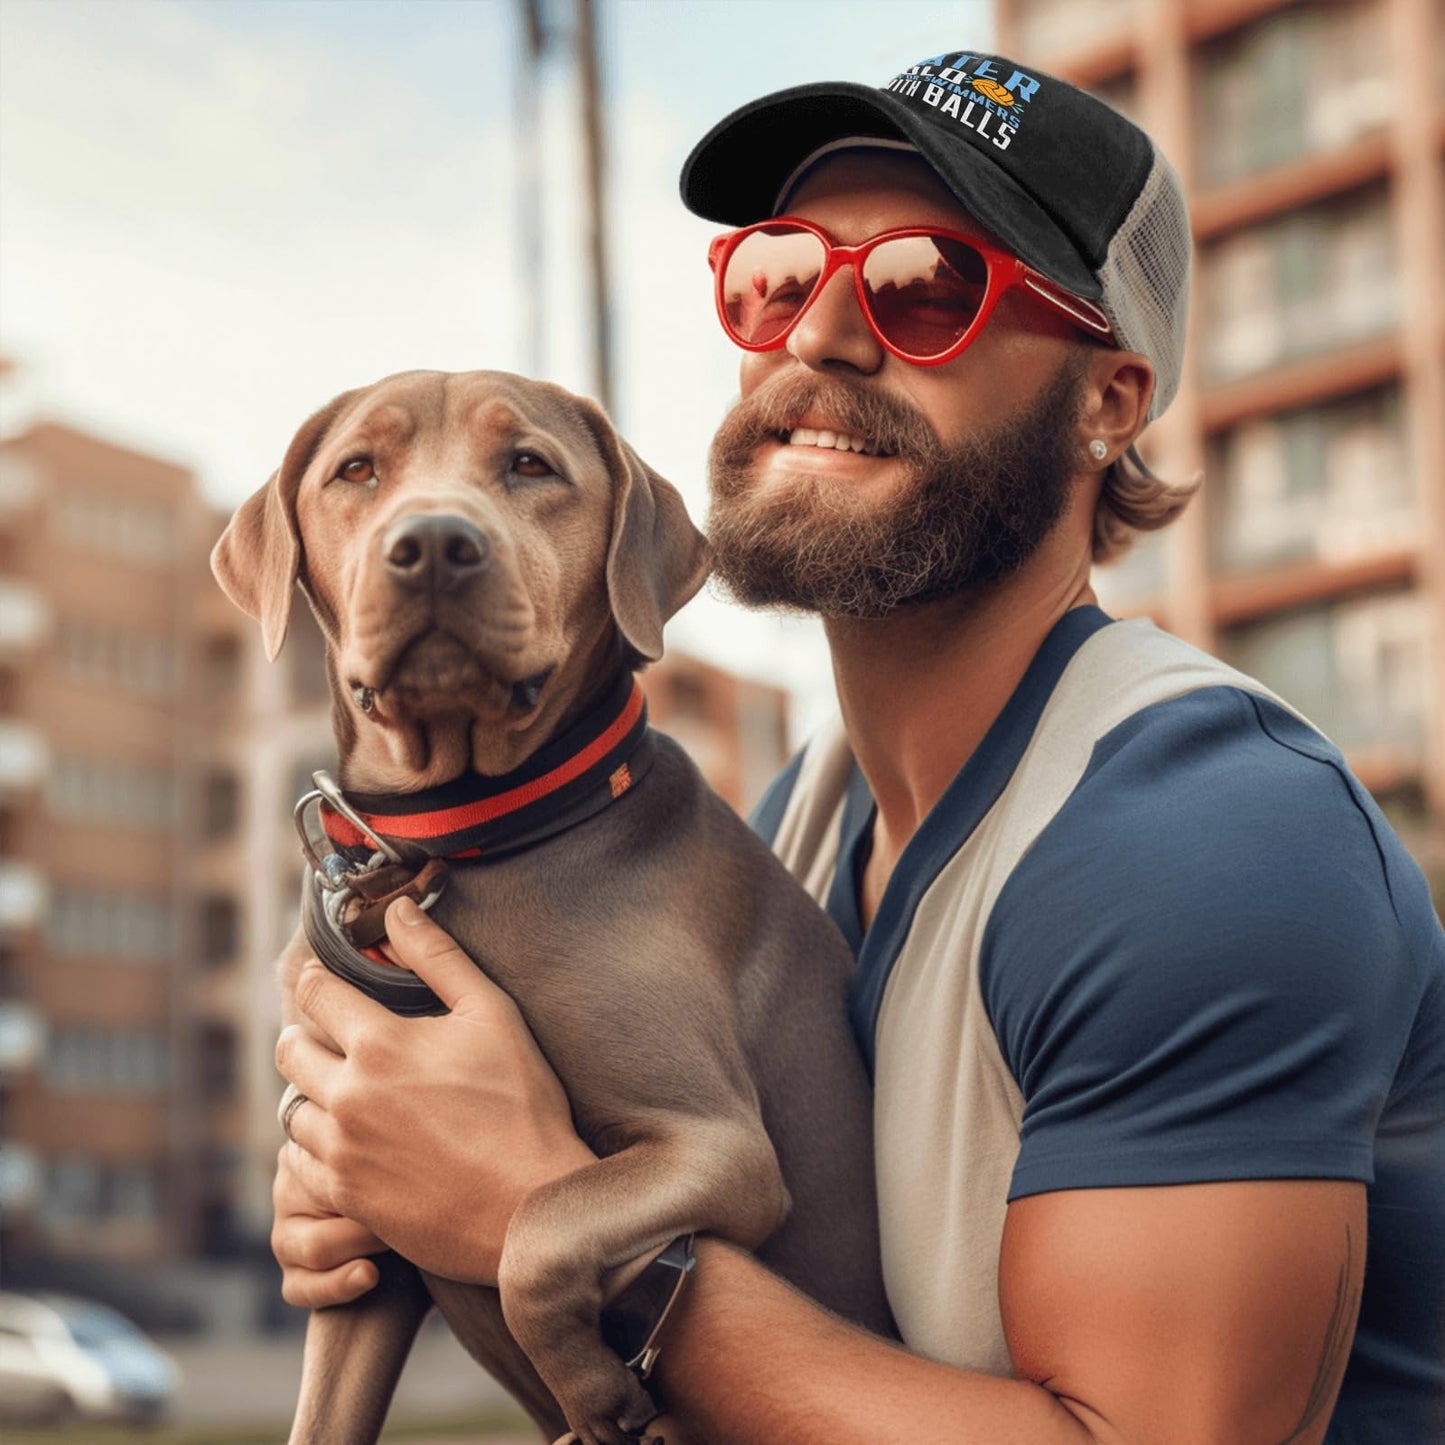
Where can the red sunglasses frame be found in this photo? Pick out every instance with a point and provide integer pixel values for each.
(1005, 272)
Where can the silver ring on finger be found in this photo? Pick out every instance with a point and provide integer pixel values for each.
(288, 1112)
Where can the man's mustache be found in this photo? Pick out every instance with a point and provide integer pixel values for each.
(886, 422)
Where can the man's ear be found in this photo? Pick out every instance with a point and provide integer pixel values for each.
(1120, 390)
(258, 556)
(656, 559)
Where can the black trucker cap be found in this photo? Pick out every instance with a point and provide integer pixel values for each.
(1066, 182)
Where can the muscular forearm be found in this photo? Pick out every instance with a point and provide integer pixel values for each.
(748, 1360)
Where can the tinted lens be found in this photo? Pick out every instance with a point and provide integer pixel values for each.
(924, 291)
(767, 281)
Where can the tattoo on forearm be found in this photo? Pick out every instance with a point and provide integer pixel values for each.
(1338, 1335)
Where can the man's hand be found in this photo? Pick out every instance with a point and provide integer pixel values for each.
(430, 1131)
(323, 1257)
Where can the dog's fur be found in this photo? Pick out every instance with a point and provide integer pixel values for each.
(686, 991)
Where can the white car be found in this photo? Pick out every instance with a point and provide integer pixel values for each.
(64, 1358)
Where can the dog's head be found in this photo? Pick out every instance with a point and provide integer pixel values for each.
(471, 544)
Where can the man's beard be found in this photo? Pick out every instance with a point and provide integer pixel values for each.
(968, 515)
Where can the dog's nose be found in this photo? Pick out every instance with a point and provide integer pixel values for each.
(433, 550)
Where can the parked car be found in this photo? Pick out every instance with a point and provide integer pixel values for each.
(64, 1358)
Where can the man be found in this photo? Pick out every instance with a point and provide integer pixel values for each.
(1154, 999)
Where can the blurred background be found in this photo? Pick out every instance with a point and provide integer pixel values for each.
(216, 214)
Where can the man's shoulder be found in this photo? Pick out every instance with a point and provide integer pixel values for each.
(1224, 782)
(1216, 859)
(1210, 804)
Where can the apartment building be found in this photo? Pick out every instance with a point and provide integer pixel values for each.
(1310, 135)
(116, 1069)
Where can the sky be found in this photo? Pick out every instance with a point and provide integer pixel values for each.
(217, 214)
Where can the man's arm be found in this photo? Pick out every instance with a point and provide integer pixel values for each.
(1205, 1313)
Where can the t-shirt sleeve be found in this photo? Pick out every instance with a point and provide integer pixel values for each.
(1196, 973)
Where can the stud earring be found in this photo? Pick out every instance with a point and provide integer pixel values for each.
(1098, 449)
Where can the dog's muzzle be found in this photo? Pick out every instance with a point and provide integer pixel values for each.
(434, 552)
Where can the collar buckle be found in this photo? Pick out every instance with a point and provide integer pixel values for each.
(357, 893)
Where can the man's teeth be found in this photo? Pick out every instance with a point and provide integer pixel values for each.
(806, 436)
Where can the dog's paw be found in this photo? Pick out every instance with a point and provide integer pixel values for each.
(609, 1408)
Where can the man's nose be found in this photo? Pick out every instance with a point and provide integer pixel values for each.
(434, 551)
(833, 330)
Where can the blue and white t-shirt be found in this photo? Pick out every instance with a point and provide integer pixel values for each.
(1153, 933)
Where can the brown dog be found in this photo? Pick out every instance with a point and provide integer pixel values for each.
(489, 562)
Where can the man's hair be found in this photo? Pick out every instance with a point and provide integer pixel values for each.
(1135, 500)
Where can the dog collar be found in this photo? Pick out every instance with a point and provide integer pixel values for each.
(574, 776)
(387, 846)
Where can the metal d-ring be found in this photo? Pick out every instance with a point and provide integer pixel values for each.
(334, 870)
(326, 786)
(329, 878)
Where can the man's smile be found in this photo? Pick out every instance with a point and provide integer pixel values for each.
(827, 439)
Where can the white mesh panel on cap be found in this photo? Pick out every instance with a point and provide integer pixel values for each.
(1146, 278)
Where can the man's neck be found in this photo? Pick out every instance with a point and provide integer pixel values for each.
(920, 690)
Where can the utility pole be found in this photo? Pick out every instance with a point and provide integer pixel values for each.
(527, 118)
(592, 135)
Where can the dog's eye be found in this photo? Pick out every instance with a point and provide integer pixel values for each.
(529, 464)
(358, 469)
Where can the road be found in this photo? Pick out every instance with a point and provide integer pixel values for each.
(254, 1380)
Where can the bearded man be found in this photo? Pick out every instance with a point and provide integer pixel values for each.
(1153, 997)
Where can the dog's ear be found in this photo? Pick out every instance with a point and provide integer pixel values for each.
(657, 559)
(258, 556)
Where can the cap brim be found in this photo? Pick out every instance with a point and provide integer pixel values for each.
(735, 172)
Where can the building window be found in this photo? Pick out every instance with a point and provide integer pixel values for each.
(1330, 482)
(135, 531)
(221, 804)
(112, 793)
(133, 1192)
(96, 654)
(94, 1058)
(78, 1188)
(217, 1072)
(72, 1187)
(1275, 91)
(220, 929)
(222, 658)
(129, 927)
(1319, 278)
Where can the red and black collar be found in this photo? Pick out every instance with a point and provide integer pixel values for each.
(574, 776)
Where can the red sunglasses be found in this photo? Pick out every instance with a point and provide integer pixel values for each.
(926, 294)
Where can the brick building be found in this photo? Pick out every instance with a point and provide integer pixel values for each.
(1310, 135)
(117, 1070)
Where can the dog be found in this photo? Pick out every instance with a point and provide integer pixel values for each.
(490, 563)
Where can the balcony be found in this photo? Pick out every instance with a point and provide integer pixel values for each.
(23, 897)
(22, 1037)
(25, 618)
(24, 758)
(1331, 483)
(21, 1178)
(1274, 91)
